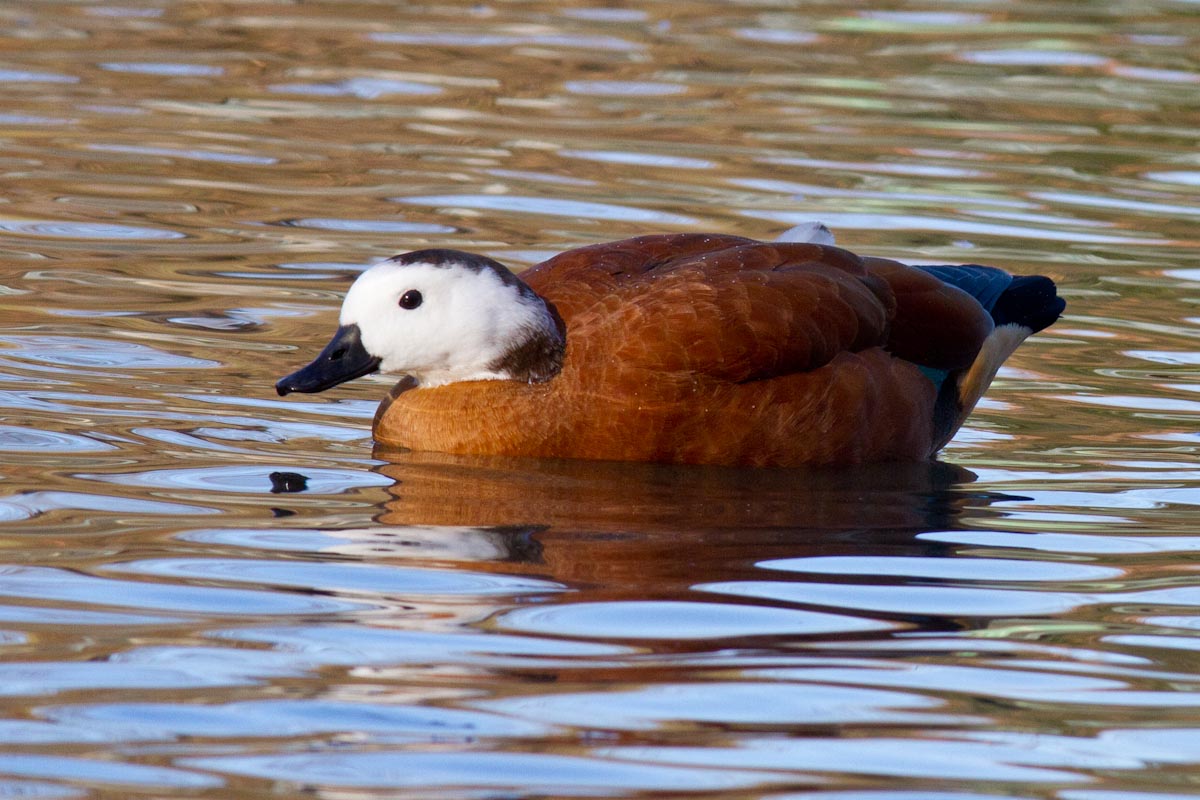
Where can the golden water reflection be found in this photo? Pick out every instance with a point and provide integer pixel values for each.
(206, 591)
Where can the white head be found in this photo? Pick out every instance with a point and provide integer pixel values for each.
(439, 316)
(443, 316)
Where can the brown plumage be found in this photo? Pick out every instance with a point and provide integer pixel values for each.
(717, 349)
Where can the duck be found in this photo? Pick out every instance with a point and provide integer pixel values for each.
(684, 348)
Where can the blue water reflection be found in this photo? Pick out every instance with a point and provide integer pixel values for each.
(31, 440)
(908, 600)
(473, 39)
(551, 206)
(195, 154)
(278, 718)
(79, 352)
(45, 583)
(370, 225)
(640, 159)
(364, 88)
(61, 229)
(31, 504)
(673, 619)
(492, 772)
(33, 76)
(624, 88)
(340, 579)
(135, 777)
(743, 703)
(164, 68)
(256, 479)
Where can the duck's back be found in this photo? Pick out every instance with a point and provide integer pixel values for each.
(719, 349)
(743, 310)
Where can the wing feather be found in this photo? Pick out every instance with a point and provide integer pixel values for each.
(575, 279)
(738, 310)
(746, 313)
(936, 324)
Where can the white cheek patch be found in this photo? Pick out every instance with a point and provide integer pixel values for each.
(468, 318)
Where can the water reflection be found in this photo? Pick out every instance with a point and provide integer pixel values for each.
(551, 206)
(581, 495)
(624, 88)
(168, 69)
(85, 353)
(370, 226)
(277, 718)
(679, 620)
(653, 545)
(55, 584)
(473, 39)
(14, 439)
(206, 591)
(491, 772)
(117, 777)
(199, 155)
(625, 524)
(256, 479)
(83, 230)
(365, 88)
(29, 76)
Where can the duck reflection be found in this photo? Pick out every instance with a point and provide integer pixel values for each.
(656, 530)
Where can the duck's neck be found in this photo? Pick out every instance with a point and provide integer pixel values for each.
(531, 352)
(537, 355)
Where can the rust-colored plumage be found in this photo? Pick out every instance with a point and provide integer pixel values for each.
(717, 349)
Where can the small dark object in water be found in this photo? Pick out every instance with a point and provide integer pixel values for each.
(288, 482)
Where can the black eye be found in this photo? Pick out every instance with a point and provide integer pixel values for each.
(410, 299)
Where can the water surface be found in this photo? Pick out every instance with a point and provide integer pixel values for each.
(207, 591)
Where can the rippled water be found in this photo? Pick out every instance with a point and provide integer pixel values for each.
(206, 591)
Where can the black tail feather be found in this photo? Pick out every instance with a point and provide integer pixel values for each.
(1028, 300)
(1032, 301)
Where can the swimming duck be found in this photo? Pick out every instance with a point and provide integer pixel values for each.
(683, 348)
